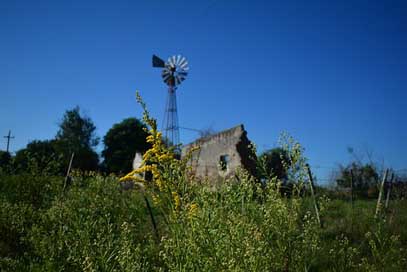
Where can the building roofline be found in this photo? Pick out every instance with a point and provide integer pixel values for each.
(216, 135)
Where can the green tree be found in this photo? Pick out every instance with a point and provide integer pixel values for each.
(121, 142)
(365, 176)
(271, 163)
(77, 130)
(39, 157)
(77, 135)
(5, 159)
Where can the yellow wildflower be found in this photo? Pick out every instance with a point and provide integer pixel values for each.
(165, 157)
(177, 200)
(193, 209)
(160, 184)
(156, 199)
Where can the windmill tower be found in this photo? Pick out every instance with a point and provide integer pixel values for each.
(173, 73)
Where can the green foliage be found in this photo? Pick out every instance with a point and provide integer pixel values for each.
(121, 143)
(242, 226)
(285, 164)
(15, 221)
(88, 227)
(5, 158)
(385, 251)
(365, 177)
(38, 158)
(76, 134)
(35, 190)
(22, 199)
(77, 130)
(51, 157)
(5, 161)
(271, 163)
(95, 226)
(296, 167)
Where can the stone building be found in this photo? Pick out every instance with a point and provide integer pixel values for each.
(221, 154)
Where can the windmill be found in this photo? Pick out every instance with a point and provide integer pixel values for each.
(174, 71)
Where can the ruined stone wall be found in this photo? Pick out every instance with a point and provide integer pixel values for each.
(221, 154)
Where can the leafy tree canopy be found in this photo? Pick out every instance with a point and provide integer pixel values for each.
(39, 157)
(77, 135)
(365, 176)
(121, 142)
(77, 130)
(5, 159)
(273, 163)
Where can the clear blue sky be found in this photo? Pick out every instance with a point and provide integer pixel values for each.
(331, 73)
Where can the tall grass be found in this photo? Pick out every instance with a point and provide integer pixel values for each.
(242, 226)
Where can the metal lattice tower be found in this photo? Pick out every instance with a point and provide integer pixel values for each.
(170, 124)
(174, 72)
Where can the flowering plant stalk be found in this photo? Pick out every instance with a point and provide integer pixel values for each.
(169, 173)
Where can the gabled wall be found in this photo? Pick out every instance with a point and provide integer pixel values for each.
(220, 155)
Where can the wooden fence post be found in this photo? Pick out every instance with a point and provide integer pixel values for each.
(311, 185)
(351, 188)
(351, 199)
(389, 190)
(379, 198)
(68, 172)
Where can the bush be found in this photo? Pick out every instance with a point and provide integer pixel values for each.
(35, 190)
(87, 228)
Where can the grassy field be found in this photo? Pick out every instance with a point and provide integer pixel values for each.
(95, 226)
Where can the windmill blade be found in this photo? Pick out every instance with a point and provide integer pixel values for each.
(168, 80)
(173, 58)
(166, 70)
(176, 81)
(182, 61)
(184, 65)
(157, 62)
(169, 65)
(178, 59)
(166, 76)
(183, 74)
(179, 80)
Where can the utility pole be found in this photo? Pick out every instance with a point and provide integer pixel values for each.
(9, 137)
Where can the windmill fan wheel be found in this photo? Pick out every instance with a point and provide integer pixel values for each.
(175, 70)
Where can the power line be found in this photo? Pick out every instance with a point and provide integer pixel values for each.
(324, 167)
(191, 129)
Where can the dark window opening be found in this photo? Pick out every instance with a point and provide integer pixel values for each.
(224, 161)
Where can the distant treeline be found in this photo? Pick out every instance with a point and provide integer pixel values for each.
(76, 135)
